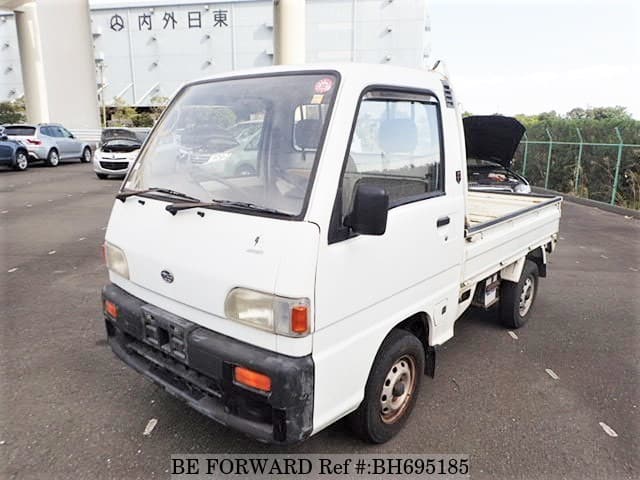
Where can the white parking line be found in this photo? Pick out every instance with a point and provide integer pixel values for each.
(5, 211)
(11, 270)
(608, 430)
(552, 374)
(51, 252)
(633, 269)
(82, 238)
(513, 335)
(150, 426)
(604, 256)
(29, 205)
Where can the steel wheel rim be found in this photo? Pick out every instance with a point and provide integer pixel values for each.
(22, 161)
(397, 389)
(526, 296)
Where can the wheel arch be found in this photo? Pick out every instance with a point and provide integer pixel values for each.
(418, 325)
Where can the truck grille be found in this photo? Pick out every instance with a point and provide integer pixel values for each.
(114, 165)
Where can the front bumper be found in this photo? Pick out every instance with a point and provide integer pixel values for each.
(196, 365)
(112, 166)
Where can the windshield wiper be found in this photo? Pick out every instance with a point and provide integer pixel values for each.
(176, 207)
(122, 196)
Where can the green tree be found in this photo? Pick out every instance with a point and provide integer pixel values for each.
(12, 112)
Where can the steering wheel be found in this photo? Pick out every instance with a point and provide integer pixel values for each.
(230, 185)
(299, 184)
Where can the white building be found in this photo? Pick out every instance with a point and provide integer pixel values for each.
(145, 49)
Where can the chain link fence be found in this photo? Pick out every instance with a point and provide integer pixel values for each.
(605, 172)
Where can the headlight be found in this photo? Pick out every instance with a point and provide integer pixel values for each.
(116, 260)
(281, 315)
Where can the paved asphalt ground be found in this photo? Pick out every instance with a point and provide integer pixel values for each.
(70, 409)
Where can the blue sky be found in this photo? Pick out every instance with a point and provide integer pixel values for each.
(525, 56)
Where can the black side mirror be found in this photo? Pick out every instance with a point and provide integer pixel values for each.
(4, 138)
(370, 208)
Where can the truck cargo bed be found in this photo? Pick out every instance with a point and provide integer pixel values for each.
(503, 227)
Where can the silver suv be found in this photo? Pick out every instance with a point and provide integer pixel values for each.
(49, 142)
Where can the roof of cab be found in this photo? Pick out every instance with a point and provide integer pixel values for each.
(364, 73)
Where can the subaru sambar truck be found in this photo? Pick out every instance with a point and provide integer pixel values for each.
(320, 283)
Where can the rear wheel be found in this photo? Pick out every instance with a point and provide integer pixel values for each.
(22, 161)
(86, 155)
(391, 389)
(102, 176)
(53, 159)
(516, 299)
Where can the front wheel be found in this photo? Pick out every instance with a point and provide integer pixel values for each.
(22, 161)
(391, 390)
(86, 155)
(53, 159)
(516, 299)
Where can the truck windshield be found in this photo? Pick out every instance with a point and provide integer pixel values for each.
(252, 140)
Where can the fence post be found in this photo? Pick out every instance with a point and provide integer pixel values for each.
(579, 162)
(614, 191)
(546, 176)
(524, 160)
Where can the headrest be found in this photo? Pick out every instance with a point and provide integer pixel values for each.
(398, 135)
(307, 133)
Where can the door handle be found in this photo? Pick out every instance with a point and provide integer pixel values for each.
(443, 221)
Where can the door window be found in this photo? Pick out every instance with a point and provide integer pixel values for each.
(395, 145)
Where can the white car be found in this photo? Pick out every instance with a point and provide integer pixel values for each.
(119, 147)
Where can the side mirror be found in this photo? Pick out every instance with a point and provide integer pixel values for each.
(370, 208)
(4, 138)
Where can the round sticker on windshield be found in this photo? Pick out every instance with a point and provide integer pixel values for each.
(324, 85)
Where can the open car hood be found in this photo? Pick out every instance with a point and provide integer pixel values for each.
(492, 137)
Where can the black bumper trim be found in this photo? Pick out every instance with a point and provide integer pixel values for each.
(201, 374)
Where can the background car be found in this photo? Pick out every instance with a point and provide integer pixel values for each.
(49, 142)
(13, 153)
(118, 149)
(492, 141)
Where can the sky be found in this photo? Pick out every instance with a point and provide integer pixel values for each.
(526, 56)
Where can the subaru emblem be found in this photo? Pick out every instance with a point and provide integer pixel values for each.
(167, 276)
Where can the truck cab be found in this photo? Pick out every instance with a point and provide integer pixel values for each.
(318, 284)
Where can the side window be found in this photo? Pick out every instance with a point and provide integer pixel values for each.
(57, 132)
(395, 145)
(46, 131)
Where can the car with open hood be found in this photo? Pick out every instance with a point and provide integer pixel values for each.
(118, 149)
(491, 142)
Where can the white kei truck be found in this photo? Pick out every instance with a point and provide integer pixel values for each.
(318, 283)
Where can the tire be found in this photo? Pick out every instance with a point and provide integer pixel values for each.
(22, 161)
(391, 389)
(53, 159)
(516, 299)
(245, 170)
(102, 176)
(86, 155)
